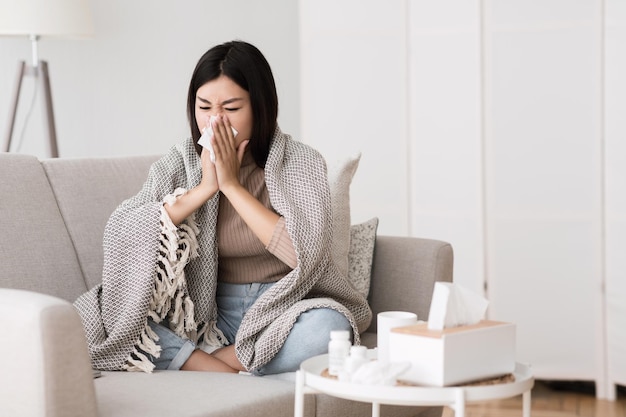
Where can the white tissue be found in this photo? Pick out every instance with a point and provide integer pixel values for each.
(207, 134)
(453, 306)
(377, 373)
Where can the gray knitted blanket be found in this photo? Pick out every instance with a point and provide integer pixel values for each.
(154, 269)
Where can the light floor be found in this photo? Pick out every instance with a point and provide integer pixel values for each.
(550, 402)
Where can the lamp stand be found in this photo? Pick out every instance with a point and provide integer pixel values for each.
(39, 70)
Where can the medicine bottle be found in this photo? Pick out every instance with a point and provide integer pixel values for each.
(338, 350)
(357, 358)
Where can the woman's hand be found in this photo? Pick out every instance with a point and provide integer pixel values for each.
(197, 196)
(228, 156)
(208, 184)
(228, 153)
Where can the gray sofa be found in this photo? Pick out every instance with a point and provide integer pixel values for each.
(52, 217)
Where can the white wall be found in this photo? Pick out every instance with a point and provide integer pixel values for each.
(124, 91)
(496, 125)
(353, 56)
(399, 81)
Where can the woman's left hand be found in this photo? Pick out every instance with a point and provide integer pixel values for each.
(228, 153)
(228, 156)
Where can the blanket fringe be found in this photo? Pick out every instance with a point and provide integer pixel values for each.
(147, 344)
(170, 298)
(211, 338)
(138, 362)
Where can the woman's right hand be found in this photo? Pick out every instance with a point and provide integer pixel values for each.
(208, 184)
(197, 196)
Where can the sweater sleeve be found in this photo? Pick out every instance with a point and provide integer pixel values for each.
(281, 245)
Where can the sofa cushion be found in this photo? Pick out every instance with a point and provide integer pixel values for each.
(36, 250)
(211, 394)
(197, 394)
(404, 273)
(361, 254)
(88, 190)
(340, 174)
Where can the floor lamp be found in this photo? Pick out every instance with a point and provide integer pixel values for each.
(36, 19)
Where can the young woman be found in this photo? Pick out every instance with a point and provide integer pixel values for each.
(223, 264)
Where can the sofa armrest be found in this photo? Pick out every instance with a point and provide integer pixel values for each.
(404, 273)
(45, 366)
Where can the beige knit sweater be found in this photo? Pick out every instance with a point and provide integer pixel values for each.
(242, 257)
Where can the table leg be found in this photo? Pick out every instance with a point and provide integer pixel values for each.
(299, 400)
(375, 409)
(459, 403)
(526, 404)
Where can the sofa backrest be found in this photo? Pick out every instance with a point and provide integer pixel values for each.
(404, 272)
(87, 191)
(36, 251)
(53, 214)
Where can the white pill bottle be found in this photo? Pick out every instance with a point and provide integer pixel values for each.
(338, 350)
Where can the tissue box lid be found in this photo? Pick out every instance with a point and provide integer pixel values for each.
(422, 330)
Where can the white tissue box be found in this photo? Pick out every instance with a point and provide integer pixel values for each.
(455, 355)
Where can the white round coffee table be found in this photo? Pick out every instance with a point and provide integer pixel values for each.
(309, 379)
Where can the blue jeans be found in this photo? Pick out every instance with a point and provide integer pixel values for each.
(308, 337)
(174, 349)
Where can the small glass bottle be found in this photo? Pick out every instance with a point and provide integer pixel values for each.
(338, 350)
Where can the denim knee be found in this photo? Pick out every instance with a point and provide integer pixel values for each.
(174, 349)
(309, 337)
(233, 301)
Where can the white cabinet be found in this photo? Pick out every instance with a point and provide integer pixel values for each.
(544, 183)
(615, 169)
(497, 126)
(445, 140)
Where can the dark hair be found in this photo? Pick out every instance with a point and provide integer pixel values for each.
(247, 67)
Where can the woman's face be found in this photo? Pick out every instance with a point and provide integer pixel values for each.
(223, 97)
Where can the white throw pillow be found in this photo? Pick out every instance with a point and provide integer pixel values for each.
(340, 176)
(361, 254)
